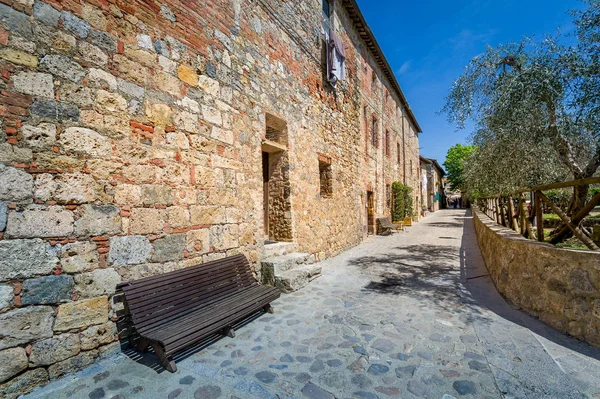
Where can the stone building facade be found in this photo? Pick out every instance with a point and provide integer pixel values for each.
(141, 137)
(435, 197)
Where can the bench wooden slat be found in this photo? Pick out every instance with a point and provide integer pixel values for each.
(190, 286)
(177, 309)
(223, 323)
(150, 317)
(178, 275)
(203, 317)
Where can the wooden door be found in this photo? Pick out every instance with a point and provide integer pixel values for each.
(265, 162)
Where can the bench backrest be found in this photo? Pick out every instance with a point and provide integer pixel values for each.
(385, 221)
(154, 300)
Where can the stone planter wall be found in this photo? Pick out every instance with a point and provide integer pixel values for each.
(559, 286)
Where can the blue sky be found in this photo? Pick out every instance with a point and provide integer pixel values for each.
(428, 43)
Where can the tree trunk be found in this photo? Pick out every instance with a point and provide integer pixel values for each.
(578, 202)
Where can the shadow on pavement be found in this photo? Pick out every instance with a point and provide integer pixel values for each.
(484, 294)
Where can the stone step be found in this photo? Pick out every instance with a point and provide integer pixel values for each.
(272, 267)
(295, 279)
(278, 249)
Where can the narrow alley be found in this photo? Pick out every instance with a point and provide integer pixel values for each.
(412, 315)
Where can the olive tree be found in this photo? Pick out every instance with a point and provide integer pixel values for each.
(536, 107)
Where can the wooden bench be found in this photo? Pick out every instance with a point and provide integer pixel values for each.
(174, 310)
(385, 226)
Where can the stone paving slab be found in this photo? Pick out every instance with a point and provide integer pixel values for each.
(412, 315)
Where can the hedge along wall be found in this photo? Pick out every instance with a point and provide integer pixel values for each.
(559, 286)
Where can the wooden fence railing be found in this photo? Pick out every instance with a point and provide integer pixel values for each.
(501, 208)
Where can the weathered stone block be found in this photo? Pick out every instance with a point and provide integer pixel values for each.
(16, 21)
(55, 349)
(200, 214)
(13, 361)
(86, 141)
(50, 109)
(129, 250)
(75, 25)
(63, 67)
(168, 83)
(161, 48)
(26, 258)
(157, 195)
(96, 336)
(128, 194)
(92, 54)
(40, 137)
(19, 57)
(212, 115)
(97, 220)
(209, 85)
(188, 75)
(94, 16)
(167, 65)
(81, 314)
(140, 173)
(72, 364)
(79, 95)
(103, 40)
(223, 237)
(166, 12)
(21, 326)
(24, 383)
(223, 135)
(98, 77)
(147, 221)
(6, 296)
(80, 263)
(15, 185)
(13, 154)
(34, 84)
(169, 248)
(46, 14)
(160, 114)
(69, 188)
(111, 102)
(96, 283)
(131, 89)
(47, 290)
(136, 272)
(178, 217)
(198, 241)
(40, 221)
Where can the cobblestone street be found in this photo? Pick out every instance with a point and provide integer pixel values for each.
(412, 315)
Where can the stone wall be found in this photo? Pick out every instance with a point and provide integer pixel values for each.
(559, 286)
(130, 145)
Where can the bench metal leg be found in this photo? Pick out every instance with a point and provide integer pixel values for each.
(268, 309)
(167, 361)
(229, 331)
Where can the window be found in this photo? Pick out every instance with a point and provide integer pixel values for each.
(398, 152)
(373, 80)
(387, 143)
(325, 177)
(411, 168)
(326, 9)
(374, 132)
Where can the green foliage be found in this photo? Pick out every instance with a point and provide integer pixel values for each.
(560, 197)
(454, 164)
(536, 107)
(403, 202)
(593, 192)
